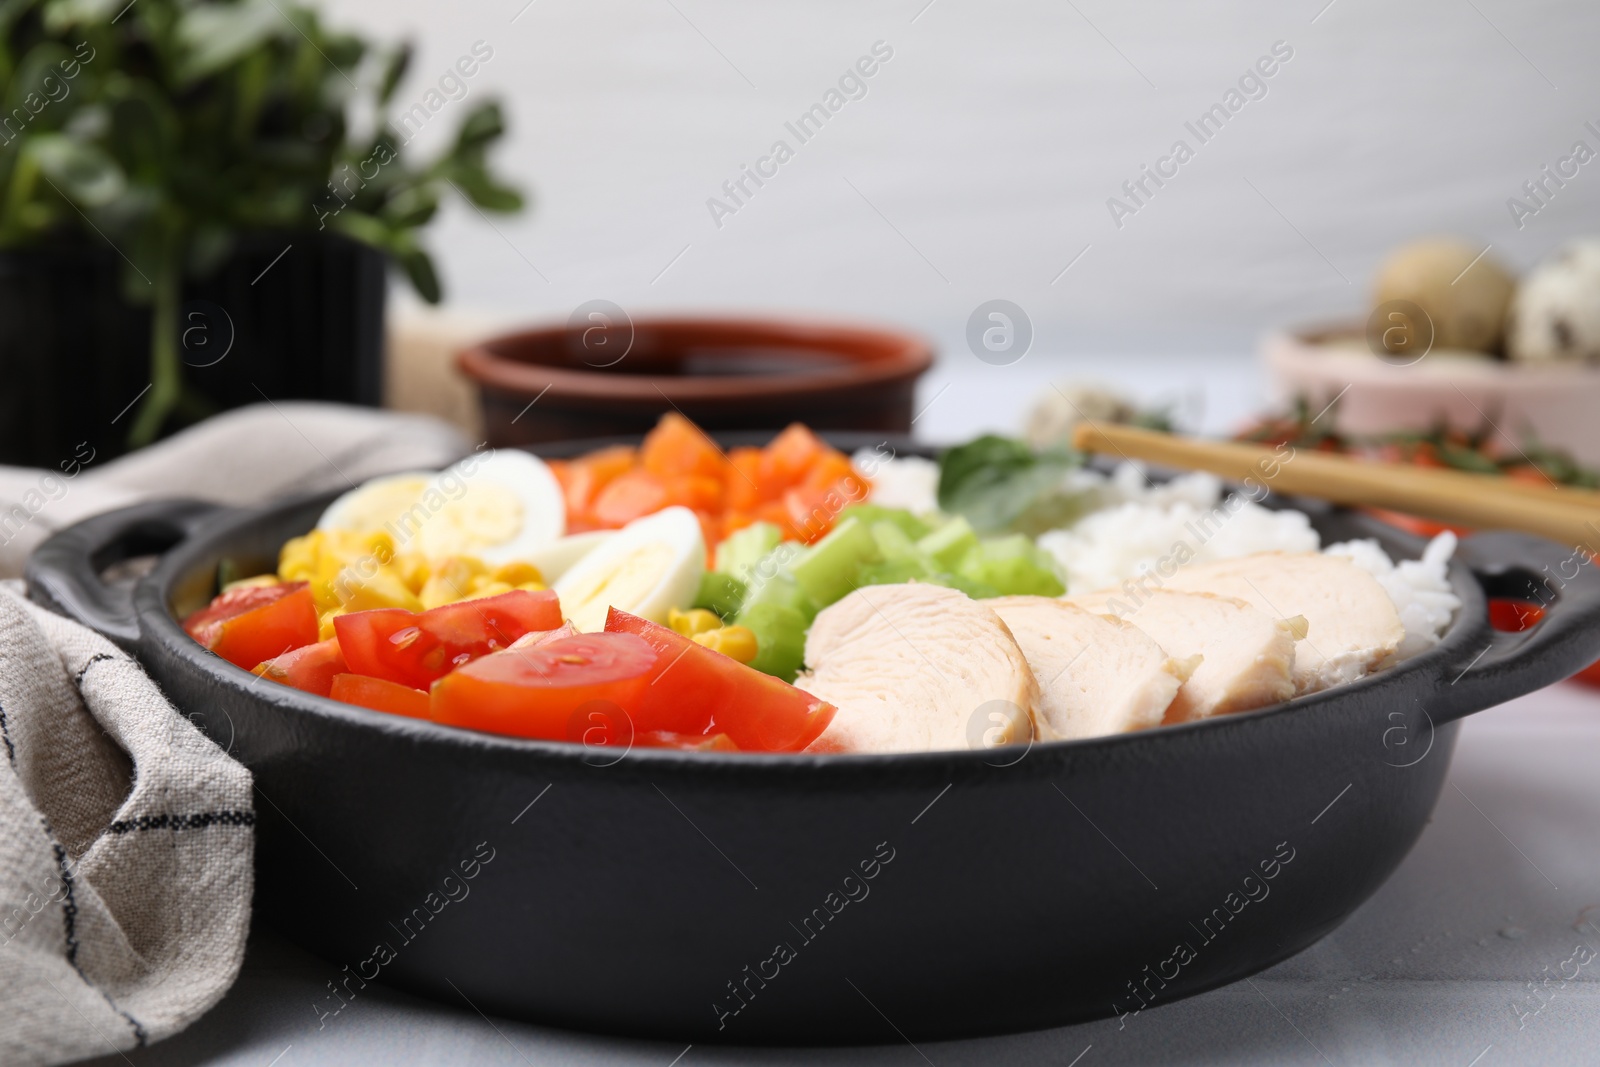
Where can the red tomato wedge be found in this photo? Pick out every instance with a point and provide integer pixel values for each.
(702, 692)
(1514, 616)
(380, 694)
(416, 649)
(1590, 675)
(310, 668)
(688, 742)
(548, 690)
(248, 625)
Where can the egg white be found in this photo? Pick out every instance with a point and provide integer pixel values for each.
(498, 507)
(375, 502)
(650, 566)
(557, 557)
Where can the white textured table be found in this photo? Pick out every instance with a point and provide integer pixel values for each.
(1435, 969)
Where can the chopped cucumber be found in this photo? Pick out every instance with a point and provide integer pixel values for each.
(950, 543)
(893, 543)
(780, 638)
(908, 523)
(828, 569)
(741, 550)
(893, 572)
(1013, 565)
(773, 585)
(977, 590)
(721, 593)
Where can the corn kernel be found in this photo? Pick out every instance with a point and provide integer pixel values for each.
(533, 587)
(252, 583)
(362, 589)
(690, 623)
(323, 596)
(325, 624)
(489, 587)
(297, 560)
(735, 642)
(414, 571)
(518, 573)
(449, 580)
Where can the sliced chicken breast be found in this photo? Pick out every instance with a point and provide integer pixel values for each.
(916, 668)
(1096, 675)
(1246, 657)
(1353, 627)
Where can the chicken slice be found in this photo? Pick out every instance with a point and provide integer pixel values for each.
(1246, 656)
(1353, 627)
(1097, 675)
(916, 668)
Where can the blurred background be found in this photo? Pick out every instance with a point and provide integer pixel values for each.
(980, 162)
(1021, 152)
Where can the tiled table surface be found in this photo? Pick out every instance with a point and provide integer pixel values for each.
(1445, 965)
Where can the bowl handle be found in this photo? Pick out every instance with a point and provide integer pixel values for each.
(1564, 582)
(65, 572)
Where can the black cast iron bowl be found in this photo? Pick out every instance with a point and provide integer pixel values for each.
(709, 897)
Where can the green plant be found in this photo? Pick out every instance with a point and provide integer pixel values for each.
(169, 127)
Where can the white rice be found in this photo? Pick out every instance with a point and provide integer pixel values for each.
(909, 482)
(1136, 525)
(1420, 588)
(1139, 526)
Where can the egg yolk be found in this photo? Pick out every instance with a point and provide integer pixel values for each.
(483, 516)
(375, 506)
(625, 584)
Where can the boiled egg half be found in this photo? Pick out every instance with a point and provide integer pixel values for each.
(498, 507)
(648, 567)
(376, 504)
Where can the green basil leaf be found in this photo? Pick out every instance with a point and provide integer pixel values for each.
(1000, 484)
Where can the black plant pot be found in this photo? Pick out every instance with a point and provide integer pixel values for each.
(75, 355)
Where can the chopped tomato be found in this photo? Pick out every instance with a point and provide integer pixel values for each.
(631, 496)
(311, 668)
(698, 691)
(414, 648)
(1413, 524)
(544, 637)
(544, 690)
(582, 479)
(744, 469)
(1514, 616)
(830, 469)
(788, 458)
(678, 447)
(380, 694)
(1590, 675)
(688, 742)
(248, 625)
(695, 492)
(680, 465)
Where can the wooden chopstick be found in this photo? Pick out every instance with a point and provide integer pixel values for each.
(1460, 498)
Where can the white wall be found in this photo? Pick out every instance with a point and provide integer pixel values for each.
(991, 142)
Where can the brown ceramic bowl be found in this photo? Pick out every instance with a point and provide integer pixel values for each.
(567, 381)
